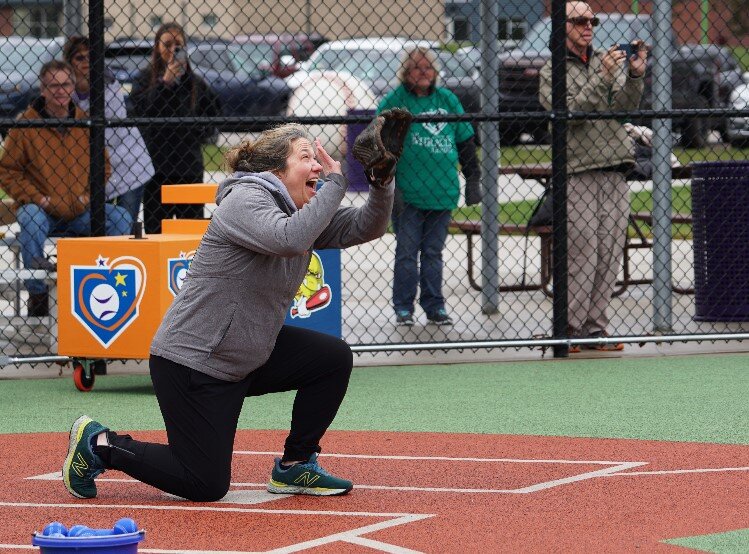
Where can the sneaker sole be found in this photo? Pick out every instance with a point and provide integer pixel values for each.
(440, 323)
(280, 488)
(75, 436)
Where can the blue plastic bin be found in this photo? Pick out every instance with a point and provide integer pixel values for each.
(126, 543)
(720, 212)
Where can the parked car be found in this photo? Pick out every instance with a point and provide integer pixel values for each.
(738, 127)
(694, 83)
(459, 73)
(21, 58)
(280, 54)
(243, 88)
(374, 61)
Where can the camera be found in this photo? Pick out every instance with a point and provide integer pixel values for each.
(628, 48)
(180, 56)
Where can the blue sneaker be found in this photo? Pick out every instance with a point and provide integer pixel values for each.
(306, 478)
(82, 465)
(439, 317)
(404, 317)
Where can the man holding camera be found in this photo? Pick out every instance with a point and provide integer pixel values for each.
(599, 153)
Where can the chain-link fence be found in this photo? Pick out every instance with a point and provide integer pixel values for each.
(573, 171)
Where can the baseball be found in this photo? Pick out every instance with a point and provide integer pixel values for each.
(180, 278)
(104, 302)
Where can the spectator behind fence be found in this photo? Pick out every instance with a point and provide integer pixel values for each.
(46, 171)
(599, 153)
(169, 88)
(427, 186)
(131, 164)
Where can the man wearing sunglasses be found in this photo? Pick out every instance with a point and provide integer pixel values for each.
(599, 153)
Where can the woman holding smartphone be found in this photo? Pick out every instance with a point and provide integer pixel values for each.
(169, 88)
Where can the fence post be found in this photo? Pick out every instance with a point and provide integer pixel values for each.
(98, 123)
(490, 159)
(559, 169)
(663, 145)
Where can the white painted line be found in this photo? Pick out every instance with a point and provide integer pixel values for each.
(441, 458)
(347, 536)
(228, 509)
(379, 545)
(580, 477)
(680, 471)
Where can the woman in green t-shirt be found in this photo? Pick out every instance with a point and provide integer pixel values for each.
(427, 185)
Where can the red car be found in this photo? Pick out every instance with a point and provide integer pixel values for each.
(280, 54)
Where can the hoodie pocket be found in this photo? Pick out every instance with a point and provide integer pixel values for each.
(223, 329)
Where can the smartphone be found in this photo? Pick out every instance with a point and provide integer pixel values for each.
(180, 55)
(628, 49)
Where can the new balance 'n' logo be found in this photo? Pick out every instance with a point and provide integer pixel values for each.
(306, 479)
(78, 464)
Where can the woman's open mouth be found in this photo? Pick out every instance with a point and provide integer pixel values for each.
(311, 187)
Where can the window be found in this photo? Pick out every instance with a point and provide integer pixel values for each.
(461, 28)
(512, 29)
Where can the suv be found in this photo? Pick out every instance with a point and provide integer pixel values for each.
(694, 83)
(280, 54)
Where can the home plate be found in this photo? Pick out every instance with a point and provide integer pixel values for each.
(251, 497)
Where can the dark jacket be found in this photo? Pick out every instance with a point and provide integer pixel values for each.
(176, 150)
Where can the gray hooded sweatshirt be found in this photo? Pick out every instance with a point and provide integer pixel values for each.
(249, 265)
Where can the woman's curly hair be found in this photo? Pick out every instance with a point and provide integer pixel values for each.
(268, 152)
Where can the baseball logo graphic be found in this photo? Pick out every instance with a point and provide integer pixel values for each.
(177, 269)
(313, 294)
(104, 302)
(106, 296)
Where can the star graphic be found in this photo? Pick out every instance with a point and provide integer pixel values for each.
(101, 261)
(123, 294)
(119, 279)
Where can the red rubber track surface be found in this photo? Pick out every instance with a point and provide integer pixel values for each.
(462, 493)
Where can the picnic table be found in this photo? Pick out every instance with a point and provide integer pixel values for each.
(542, 173)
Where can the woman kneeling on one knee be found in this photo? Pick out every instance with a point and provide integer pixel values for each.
(223, 338)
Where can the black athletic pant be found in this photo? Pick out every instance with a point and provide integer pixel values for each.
(201, 414)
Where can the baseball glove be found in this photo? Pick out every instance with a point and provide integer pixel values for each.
(379, 146)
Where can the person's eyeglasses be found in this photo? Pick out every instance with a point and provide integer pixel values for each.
(54, 87)
(583, 21)
(80, 58)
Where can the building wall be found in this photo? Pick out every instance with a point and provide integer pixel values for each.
(686, 17)
(342, 19)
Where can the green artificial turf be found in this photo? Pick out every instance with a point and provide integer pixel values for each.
(697, 398)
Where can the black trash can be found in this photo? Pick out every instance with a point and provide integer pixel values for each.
(354, 170)
(720, 211)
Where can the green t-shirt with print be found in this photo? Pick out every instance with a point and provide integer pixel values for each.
(427, 172)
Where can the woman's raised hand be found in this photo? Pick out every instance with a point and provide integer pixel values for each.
(329, 165)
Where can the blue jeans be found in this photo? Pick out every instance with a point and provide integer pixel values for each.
(37, 225)
(130, 201)
(420, 238)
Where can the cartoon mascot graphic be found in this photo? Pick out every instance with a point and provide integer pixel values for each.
(313, 293)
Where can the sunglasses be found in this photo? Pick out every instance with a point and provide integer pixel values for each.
(583, 21)
(80, 58)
